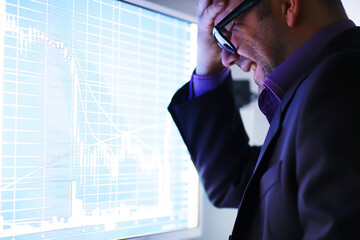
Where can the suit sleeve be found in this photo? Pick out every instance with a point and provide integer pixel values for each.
(328, 165)
(214, 134)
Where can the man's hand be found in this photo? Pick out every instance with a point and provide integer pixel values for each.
(209, 53)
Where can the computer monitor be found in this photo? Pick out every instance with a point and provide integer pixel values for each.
(88, 149)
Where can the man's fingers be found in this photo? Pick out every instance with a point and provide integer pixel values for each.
(201, 5)
(209, 13)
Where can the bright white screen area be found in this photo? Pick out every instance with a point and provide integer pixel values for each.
(352, 8)
(88, 149)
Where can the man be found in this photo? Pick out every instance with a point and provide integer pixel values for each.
(304, 182)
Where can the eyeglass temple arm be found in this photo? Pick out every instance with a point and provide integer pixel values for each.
(236, 12)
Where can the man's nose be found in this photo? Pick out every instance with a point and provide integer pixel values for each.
(227, 59)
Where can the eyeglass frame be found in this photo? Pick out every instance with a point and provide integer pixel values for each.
(222, 41)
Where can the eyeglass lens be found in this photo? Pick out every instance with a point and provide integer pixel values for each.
(223, 42)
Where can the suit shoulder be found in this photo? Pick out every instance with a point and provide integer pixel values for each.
(333, 83)
(340, 61)
(339, 69)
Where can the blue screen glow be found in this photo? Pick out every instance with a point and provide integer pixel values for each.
(88, 149)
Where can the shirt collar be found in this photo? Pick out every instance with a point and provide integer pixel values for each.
(281, 79)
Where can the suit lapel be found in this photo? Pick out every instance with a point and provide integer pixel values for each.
(250, 196)
(275, 126)
(274, 130)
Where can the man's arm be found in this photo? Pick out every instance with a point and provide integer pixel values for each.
(210, 122)
(214, 134)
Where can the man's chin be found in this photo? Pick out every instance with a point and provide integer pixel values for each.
(259, 76)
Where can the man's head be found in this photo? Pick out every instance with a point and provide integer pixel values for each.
(268, 32)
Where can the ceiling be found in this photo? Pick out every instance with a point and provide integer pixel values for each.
(186, 6)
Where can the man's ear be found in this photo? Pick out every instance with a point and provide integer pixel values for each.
(290, 10)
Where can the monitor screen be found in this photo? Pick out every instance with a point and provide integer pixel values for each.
(88, 149)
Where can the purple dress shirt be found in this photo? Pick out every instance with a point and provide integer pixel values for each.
(280, 80)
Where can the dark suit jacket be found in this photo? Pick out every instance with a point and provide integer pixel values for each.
(304, 183)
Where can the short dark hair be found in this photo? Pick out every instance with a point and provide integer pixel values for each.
(264, 9)
(331, 3)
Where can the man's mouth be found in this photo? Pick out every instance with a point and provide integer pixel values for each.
(257, 73)
(253, 67)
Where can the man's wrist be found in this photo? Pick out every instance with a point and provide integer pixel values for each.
(209, 69)
(203, 84)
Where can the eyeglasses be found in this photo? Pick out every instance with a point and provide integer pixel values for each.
(219, 29)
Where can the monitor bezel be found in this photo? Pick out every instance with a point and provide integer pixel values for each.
(162, 9)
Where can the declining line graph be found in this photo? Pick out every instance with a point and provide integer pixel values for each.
(87, 146)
